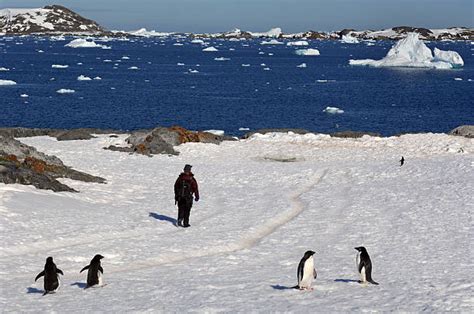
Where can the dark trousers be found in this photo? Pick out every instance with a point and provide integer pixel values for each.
(184, 210)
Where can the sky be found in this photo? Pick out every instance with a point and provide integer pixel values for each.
(261, 15)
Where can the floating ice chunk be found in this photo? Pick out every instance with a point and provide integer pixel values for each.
(210, 49)
(263, 64)
(193, 71)
(40, 51)
(107, 60)
(179, 63)
(274, 32)
(412, 52)
(97, 78)
(333, 110)
(65, 91)
(83, 78)
(458, 79)
(245, 64)
(448, 56)
(177, 44)
(4, 69)
(231, 49)
(266, 69)
(244, 129)
(125, 58)
(302, 65)
(133, 68)
(271, 42)
(221, 59)
(197, 41)
(216, 132)
(348, 39)
(24, 96)
(59, 66)
(270, 53)
(307, 52)
(83, 43)
(322, 81)
(7, 82)
(297, 43)
(261, 53)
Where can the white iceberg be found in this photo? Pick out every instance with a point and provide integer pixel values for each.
(216, 132)
(4, 69)
(221, 59)
(271, 42)
(24, 96)
(83, 43)
(143, 32)
(297, 43)
(302, 65)
(412, 52)
(193, 71)
(59, 66)
(274, 32)
(133, 68)
(333, 110)
(210, 49)
(83, 78)
(65, 91)
(307, 52)
(348, 39)
(97, 78)
(7, 82)
(197, 41)
(245, 64)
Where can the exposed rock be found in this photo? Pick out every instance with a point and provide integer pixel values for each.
(60, 134)
(264, 131)
(26, 132)
(353, 134)
(76, 134)
(463, 130)
(11, 146)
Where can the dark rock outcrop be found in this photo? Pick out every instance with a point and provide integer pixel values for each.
(59, 134)
(463, 130)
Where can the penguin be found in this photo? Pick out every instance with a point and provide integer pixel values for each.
(94, 275)
(402, 161)
(51, 277)
(306, 272)
(364, 266)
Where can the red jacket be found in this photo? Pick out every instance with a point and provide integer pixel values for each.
(190, 178)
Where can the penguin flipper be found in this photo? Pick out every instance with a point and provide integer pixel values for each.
(315, 274)
(59, 271)
(101, 269)
(39, 275)
(87, 267)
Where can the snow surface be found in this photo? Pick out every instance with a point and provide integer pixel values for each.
(412, 52)
(7, 82)
(256, 218)
(83, 43)
(307, 52)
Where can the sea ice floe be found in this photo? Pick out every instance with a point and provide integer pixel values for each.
(302, 65)
(4, 69)
(307, 52)
(83, 43)
(210, 49)
(83, 78)
(59, 66)
(215, 132)
(348, 39)
(24, 96)
(297, 43)
(179, 63)
(244, 129)
(97, 78)
(458, 79)
(65, 91)
(7, 82)
(193, 71)
(221, 59)
(197, 41)
(245, 64)
(271, 42)
(412, 52)
(125, 58)
(133, 68)
(333, 110)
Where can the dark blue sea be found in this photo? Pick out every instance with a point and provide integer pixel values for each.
(225, 95)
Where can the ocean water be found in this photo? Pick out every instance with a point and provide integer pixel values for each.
(225, 95)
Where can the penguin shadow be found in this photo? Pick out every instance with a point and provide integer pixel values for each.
(173, 221)
(30, 290)
(347, 280)
(280, 287)
(81, 285)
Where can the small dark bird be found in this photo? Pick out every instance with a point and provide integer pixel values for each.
(94, 275)
(402, 161)
(364, 266)
(51, 277)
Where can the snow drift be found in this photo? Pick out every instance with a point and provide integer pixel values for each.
(412, 52)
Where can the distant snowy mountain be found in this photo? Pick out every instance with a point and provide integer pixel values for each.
(52, 19)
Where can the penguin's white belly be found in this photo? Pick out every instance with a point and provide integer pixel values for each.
(308, 269)
(101, 280)
(362, 271)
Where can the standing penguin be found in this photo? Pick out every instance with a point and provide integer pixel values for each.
(94, 275)
(402, 161)
(306, 272)
(364, 266)
(51, 277)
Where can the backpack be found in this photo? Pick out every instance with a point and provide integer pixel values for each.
(185, 190)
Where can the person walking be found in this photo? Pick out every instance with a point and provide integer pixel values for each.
(184, 188)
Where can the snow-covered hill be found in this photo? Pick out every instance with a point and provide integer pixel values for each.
(257, 216)
(50, 19)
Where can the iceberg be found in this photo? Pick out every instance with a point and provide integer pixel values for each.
(412, 52)
(348, 39)
(307, 52)
(65, 91)
(274, 32)
(297, 43)
(83, 78)
(7, 82)
(333, 110)
(59, 66)
(197, 41)
(302, 65)
(271, 42)
(221, 59)
(210, 49)
(83, 43)
(4, 69)
(143, 32)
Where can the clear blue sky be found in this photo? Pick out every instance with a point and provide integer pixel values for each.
(260, 15)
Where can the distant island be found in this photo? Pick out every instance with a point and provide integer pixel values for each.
(59, 20)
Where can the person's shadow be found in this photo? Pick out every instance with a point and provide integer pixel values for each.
(163, 218)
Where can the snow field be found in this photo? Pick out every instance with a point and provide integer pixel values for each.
(264, 202)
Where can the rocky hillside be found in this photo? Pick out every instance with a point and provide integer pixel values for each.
(54, 19)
